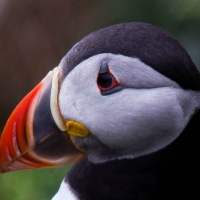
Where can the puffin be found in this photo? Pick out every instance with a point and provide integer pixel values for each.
(122, 106)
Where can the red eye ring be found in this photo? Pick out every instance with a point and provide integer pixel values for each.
(106, 81)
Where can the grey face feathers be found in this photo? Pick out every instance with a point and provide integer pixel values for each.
(145, 116)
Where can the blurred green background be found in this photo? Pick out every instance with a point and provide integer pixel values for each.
(36, 34)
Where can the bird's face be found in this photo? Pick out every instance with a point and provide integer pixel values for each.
(128, 108)
(105, 105)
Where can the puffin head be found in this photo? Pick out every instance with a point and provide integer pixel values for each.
(124, 91)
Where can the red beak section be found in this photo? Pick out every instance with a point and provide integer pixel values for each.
(31, 137)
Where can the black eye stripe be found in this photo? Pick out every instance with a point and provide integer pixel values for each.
(112, 90)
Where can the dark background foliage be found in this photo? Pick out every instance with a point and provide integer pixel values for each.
(36, 34)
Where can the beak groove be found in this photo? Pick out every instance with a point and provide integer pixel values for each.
(54, 100)
(34, 135)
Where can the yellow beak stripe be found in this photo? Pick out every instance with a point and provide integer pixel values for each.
(76, 129)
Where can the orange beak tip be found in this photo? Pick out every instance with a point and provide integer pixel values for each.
(31, 138)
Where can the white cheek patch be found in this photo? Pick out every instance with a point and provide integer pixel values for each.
(135, 127)
(77, 87)
(143, 124)
(145, 116)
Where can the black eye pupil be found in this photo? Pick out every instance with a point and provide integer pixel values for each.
(105, 80)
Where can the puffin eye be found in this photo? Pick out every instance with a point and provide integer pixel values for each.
(106, 82)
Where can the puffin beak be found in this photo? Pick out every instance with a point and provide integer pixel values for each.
(35, 134)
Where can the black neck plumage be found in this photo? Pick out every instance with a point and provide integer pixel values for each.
(172, 173)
